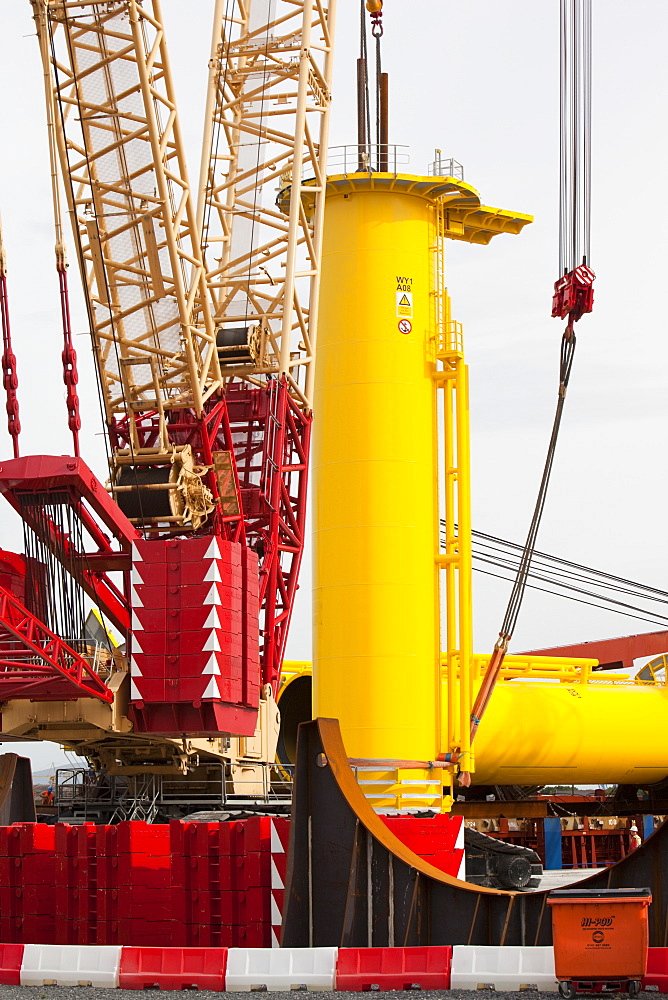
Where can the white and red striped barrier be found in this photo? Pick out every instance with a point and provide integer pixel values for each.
(280, 834)
(281, 969)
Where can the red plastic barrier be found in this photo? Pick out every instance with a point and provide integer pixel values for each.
(77, 932)
(76, 884)
(140, 840)
(359, 969)
(434, 839)
(221, 882)
(426, 836)
(657, 970)
(173, 968)
(11, 957)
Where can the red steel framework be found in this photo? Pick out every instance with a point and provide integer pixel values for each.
(613, 654)
(36, 664)
(108, 531)
(267, 436)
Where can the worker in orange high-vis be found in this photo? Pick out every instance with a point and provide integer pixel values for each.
(634, 837)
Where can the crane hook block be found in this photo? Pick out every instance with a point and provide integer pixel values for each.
(574, 294)
(375, 8)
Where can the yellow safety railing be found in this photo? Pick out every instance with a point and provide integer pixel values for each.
(563, 669)
(450, 342)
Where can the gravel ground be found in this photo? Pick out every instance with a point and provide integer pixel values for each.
(88, 993)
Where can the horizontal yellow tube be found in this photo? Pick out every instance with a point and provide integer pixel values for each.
(545, 732)
(542, 733)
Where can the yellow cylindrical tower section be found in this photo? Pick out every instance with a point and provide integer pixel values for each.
(376, 636)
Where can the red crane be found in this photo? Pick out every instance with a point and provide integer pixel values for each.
(202, 306)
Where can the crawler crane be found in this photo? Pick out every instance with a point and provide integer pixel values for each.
(202, 305)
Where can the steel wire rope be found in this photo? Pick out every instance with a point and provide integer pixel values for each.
(258, 157)
(575, 49)
(541, 564)
(575, 134)
(508, 559)
(574, 77)
(563, 137)
(515, 601)
(601, 599)
(377, 32)
(82, 271)
(632, 586)
(555, 574)
(586, 124)
(214, 146)
(72, 592)
(88, 305)
(60, 605)
(553, 577)
(495, 662)
(365, 93)
(593, 604)
(173, 207)
(141, 249)
(157, 104)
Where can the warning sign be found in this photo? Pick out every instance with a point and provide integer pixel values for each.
(404, 293)
(404, 303)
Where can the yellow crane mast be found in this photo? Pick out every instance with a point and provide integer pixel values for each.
(266, 132)
(132, 212)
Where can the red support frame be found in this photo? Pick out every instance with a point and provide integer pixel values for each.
(272, 447)
(36, 664)
(268, 437)
(206, 434)
(100, 517)
(613, 654)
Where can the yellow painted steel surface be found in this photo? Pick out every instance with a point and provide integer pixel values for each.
(543, 733)
(591, 731)
(375, 512)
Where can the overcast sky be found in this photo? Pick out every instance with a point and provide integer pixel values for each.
(480, 81)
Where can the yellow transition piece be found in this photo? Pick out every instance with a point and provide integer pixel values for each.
(375, 459)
